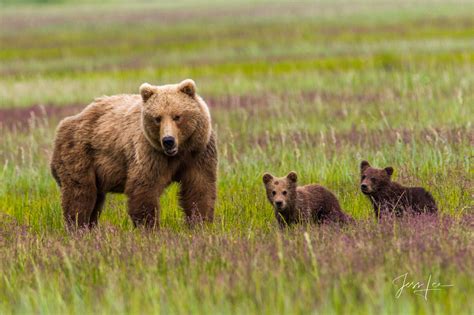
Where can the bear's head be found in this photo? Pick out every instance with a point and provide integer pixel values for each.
(372, 180)
(174, 118)
(281, 192)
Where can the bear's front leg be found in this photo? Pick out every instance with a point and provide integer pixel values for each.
(198, 193)
(143, 209)
(143, 206)
(282, 219)
(197, 198)
(77, 202)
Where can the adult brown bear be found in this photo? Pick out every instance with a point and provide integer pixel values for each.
(137, 144)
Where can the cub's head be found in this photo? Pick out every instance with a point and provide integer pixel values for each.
(174, 117)
(281, 192)
(373, 179)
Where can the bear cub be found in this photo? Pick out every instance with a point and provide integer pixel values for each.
(308, 204)
(389, 197)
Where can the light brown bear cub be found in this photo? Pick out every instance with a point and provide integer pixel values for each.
(137, 144)
(310, 203)
(390, 197)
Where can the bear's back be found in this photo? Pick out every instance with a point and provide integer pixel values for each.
(421, 200)
(109, 121)
(314, 192)
(321, 204)
(105, 133)
(117, 110)
(315, 196)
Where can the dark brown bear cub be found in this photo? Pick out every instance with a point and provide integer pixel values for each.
(389, 197)
(310, 203)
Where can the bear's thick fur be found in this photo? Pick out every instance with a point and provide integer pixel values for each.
(389, 197)
(307, 204)
(137, 144)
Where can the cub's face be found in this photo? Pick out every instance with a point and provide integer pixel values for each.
(171, 114)
(373, 179)
(281, 192)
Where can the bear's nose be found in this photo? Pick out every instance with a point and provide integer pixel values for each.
(278, 204)
(168, 142)
(363, 187)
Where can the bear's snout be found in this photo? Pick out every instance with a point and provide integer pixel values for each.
(279, 204)
(364, 188)
(168, 142)
(169, 145)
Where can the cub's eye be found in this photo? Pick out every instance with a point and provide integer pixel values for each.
(158, 119)
(363, 177)
(373, 179)
(284, 192)
(274, 193)
(176, 118)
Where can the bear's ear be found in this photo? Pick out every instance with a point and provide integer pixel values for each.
(267, 177)
(292, 177)
(146, 91)
(389, 170)
(364, 165)
(187, 87)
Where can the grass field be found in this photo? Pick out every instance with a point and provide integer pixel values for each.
(313, 87)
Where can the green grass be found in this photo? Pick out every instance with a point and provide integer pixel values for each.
(315, 92)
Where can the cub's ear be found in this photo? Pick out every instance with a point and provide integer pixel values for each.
(267, 177)
(292, 177)
(188, 87)
(146, 91)
(364, 165)
(389, 170)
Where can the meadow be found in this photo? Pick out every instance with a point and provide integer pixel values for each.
(313, 87)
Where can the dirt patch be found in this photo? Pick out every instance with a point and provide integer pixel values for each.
(373, 138)
(250, 101)
(22, 118)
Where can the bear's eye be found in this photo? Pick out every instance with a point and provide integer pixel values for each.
(158, 119)
(274, 193)
(176, 118)
(284, 192)
(363, 177)
(373, 179)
